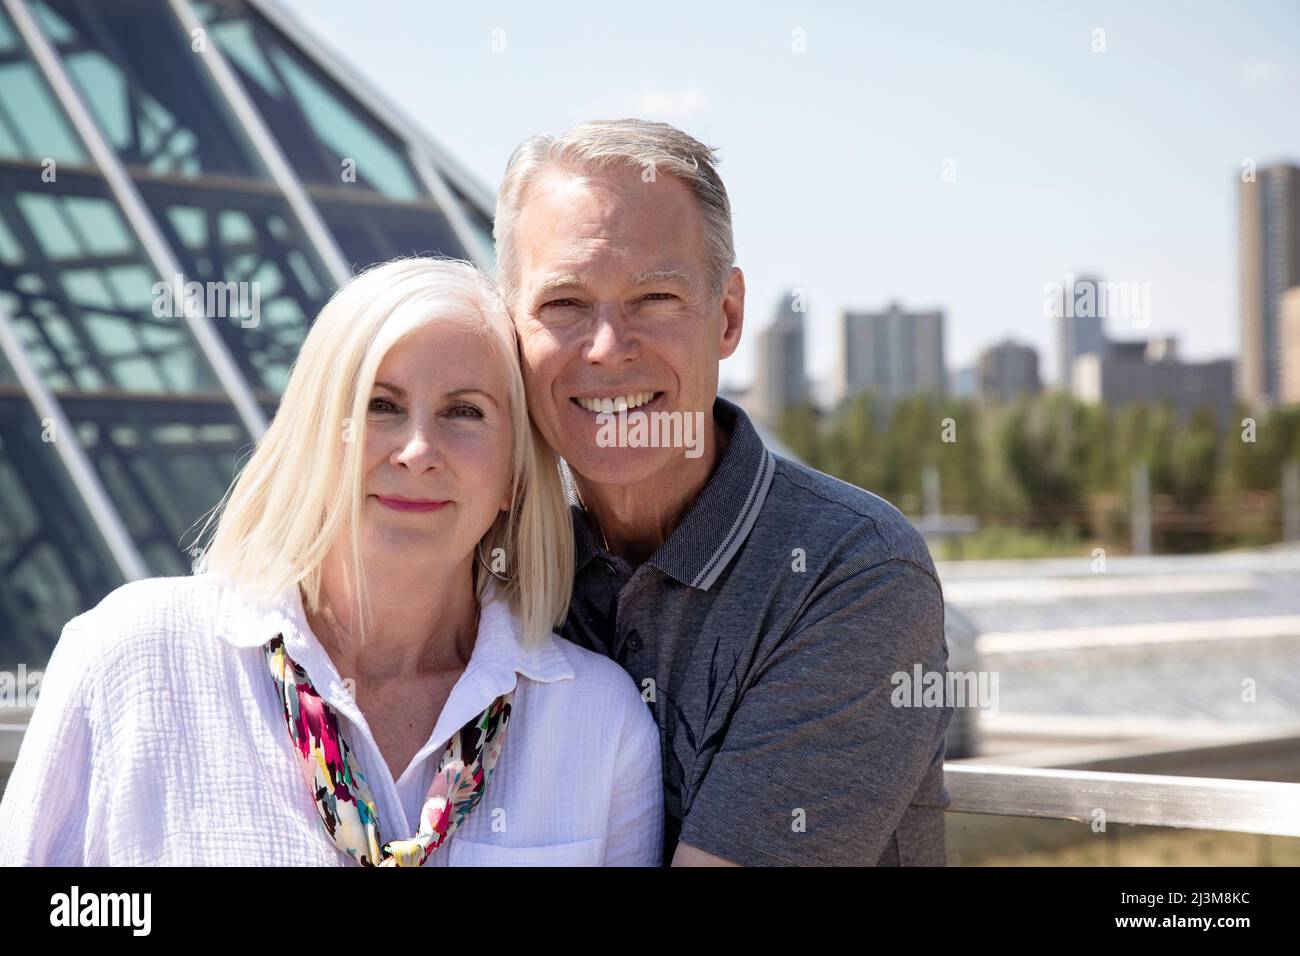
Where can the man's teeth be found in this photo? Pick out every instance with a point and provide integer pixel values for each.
(622, 403)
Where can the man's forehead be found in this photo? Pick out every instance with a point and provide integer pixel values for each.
(587, 229)
(615, 203)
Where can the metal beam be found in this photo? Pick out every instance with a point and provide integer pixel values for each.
(267, 147)
(369, 96)
(456, 218)
(68, 448)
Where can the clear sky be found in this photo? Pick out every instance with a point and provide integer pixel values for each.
(1122, 163)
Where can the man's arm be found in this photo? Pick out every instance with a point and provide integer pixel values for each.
(689, 856)
(819, 765)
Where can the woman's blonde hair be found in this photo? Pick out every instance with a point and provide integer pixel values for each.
(304, 482)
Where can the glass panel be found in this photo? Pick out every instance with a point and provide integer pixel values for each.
(82, 297)
(266, 286)
(32, 125)
(977, 839)
(318, 124)
(164, 464)
(133, 65)
(370, 233)
(480, 223)
(92, 317)
(55, 565)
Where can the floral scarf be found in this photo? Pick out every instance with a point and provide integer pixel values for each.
(343, 800)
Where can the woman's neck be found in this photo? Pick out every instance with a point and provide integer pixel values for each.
(422, 621)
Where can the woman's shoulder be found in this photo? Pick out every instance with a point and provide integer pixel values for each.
(147, 611)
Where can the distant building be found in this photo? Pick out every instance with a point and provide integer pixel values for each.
(1079, 325)
(892, 353)
(1007, 370)
(963, 382)
(1289, 315)
(1149, 371)
(1269, 262)
(779, 379)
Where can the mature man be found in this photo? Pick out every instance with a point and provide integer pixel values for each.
(763, 607)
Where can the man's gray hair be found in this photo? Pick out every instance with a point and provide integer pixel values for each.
(654, 148)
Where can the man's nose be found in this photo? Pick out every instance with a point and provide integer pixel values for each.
(611, 341)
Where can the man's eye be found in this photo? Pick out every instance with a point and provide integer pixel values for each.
(659, 296)
(384, 405)
(560, 304)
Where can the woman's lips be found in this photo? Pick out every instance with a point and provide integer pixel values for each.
(397, 504)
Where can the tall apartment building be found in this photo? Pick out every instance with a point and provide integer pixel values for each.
(779, 379)
(892, 353)
(1269, 262)
(1079, 325)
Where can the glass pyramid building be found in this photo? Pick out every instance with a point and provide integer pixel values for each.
(183, 184)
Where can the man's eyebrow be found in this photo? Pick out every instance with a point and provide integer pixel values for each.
(563, 280)
(451, 393)
(571, 280)
(655, 276)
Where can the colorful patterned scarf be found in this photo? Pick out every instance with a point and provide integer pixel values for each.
(342, 798)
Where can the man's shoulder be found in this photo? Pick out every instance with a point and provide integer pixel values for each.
(865, 527)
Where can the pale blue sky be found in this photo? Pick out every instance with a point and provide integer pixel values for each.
(1122, 163)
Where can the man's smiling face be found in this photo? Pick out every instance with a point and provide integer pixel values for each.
(613, 301)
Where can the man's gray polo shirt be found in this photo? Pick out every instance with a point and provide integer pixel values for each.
(764, 634)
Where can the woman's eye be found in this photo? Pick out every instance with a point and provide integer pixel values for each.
(466, 411)
(382, 405)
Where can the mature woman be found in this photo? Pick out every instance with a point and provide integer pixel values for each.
(362, 670)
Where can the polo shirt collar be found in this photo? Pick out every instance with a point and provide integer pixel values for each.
(717, 524)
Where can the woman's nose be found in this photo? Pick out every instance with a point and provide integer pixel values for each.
(418, 451)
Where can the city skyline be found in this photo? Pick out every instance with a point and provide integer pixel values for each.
(1120, 162)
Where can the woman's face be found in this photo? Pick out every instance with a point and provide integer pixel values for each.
(438, 444)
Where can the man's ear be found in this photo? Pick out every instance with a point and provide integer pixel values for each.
(733, 313)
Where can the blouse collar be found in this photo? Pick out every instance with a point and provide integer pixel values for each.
(498, 649)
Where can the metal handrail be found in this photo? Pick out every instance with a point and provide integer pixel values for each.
(1199, 803)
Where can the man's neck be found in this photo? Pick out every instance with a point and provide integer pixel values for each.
(635, 520)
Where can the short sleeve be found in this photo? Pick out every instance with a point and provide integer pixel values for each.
(45, 804)
(818, 765)
(636, 812)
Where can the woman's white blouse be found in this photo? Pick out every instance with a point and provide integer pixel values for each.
(158, 739)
